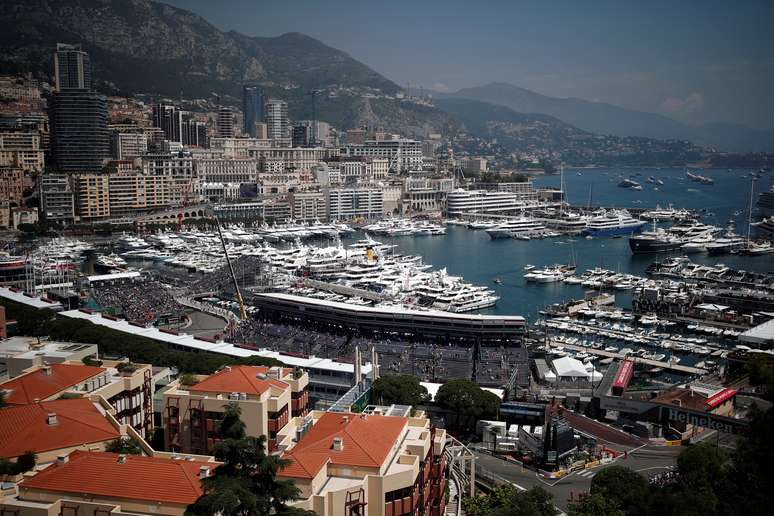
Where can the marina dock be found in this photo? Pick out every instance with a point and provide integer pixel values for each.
(637, 360)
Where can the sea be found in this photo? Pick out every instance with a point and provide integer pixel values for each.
(481, 260)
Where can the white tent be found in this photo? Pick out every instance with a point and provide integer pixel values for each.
(568, 368)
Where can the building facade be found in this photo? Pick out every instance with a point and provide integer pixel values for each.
(354, 203)
(252, 109)
(276, 118)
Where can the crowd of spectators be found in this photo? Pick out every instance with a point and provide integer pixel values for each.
(142, 300)
(246, 269)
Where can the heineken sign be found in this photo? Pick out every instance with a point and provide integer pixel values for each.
(720, 423)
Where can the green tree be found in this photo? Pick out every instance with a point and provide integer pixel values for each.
(124, 445)
(245, 483)
(402, 389)
(507, 500)
(625, 487)
(468, 401)
(595, 504)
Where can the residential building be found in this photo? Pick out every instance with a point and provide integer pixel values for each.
(5, 214)
(354, 203)
(300, 159)
(524, 189)
(18, 354)
(170, 120)
(194, 134)
(239, 147)
(108, 483)
(57, 199)
(252, 109)
(217, 191)
(128, 145)
(125, 387)
(268, 398)
(474, 166)
(80, 139)
(53, 428)
(307, 206)
(72, 68)
(225, 122)
(276, 118)
(234, 170)
(355, 137)
(404, 155)
(358, 170)
(302, 135)
(261, 131)
(21, 149)
(92, 195)
(11, 184)
(345, 463)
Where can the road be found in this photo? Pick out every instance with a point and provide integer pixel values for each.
(647, 460)
(638, 455)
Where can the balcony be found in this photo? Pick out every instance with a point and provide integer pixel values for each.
(439, 467)
(399, 507)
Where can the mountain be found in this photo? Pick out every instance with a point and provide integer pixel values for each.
(603, 118)
(141, 46)
(498, 130)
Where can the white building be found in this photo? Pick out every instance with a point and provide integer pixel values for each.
(236, 170)
(129, 145)
(482, 202)
(404, 155)
(354, 203)
(277, 125)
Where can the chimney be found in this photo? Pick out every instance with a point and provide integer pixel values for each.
(51, 419)
(62, 459)
(204, 472)
(374, 364)
(122, 459)
(345, 419)
(275, 372)
(46, 370)
(338, 444)
(358, 375)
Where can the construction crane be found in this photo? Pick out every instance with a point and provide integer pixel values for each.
(242, 311)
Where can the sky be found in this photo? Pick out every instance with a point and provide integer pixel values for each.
(695, 61)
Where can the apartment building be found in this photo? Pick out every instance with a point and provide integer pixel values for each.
(233, 170)
(103, 483)
(57, 199)
(127, 388)
(21, 150)
(11, 184)
(357, 170)
(369, 464)
(301, 159)
(307, 206)
(239, 148)
(404, 155)
(354, 203)
(267, 396)
(128, 145)
(92, 195)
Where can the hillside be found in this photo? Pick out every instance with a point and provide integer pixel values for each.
(140, 46)
(603, 118)
(543, 135)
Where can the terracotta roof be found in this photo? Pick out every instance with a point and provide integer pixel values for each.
(367, 441)
(239, 378)
(25, 427)
(37, 385)
(148, 479)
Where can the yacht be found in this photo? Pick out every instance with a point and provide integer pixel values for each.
(756, 248)
(766, 202)
(515, 227)
(109, 262)
(730, 241)
(700, 179)
(550, 274)
(570, 223)
(766, 224)
(656, 241)
(629, 183)
(613, 223)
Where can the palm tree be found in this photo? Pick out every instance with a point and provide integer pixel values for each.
(245, 484)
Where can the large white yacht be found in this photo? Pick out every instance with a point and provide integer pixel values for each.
(516, 227)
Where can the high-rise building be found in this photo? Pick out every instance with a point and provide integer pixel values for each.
(72, 69)
(194, 133)
(225, 122)
(277, 119)
(261, 131)
(302, 135)
(252, 107)
(80, 139)
(169, 119)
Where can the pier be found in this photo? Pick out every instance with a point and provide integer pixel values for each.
(637, 360)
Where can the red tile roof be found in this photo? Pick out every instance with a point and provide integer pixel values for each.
(239, 378)
(25, 427)
(38, 385)
(147, 479)
(367, 441)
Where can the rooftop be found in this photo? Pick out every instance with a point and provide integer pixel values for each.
(100, 474)
(34, 302)
(366, 441)
(27, 427)
(240, 378)
(47, 381)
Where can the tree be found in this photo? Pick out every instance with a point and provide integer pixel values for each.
(626, 488)
(245, 483)
(402, 389)
(468, 401)
(124, 445)
(507, 500)
(595, 504)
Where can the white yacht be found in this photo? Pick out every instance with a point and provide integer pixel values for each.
(613, 223)
(516, 227)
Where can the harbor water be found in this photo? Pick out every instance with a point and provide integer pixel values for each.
(480, 260)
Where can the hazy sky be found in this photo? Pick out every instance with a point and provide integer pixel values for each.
(698, 61)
